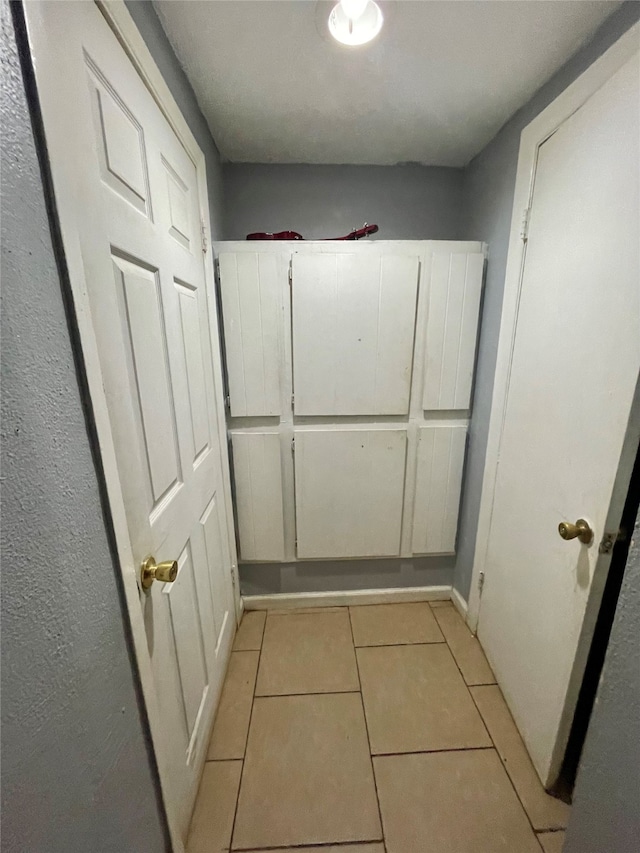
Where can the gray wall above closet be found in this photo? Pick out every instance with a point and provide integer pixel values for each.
(408, 202)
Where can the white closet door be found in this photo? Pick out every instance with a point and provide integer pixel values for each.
(455, 287)
(438, 484)
(353, 330)
(252, 316)
(258, 482)
(349, 491)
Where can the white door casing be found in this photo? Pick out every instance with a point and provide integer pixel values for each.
(568, 418)
(131, 195)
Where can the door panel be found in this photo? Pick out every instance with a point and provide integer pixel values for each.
(258, 479)
(353, 329)
(143, 269)
(186, 627)
(455, 287)
(574, 370)
(146, 332)
(438, 486)
(251, 301)
(349, 491)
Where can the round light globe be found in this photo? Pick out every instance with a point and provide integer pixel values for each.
(359, 29)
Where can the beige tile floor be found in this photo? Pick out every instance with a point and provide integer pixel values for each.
(372, 729)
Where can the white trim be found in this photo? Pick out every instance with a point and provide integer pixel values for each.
(344, 598)
(573, 97)
(459, 603)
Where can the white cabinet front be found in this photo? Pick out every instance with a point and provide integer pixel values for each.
(258, 492)
(353, 328)
(252, 315)
(455, 288)
(364, 354)
(349, 489)
(438, 483)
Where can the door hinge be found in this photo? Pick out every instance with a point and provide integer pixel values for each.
(524, 224)
(290, 273)
(227, 403)
(293, 445)
(609, 540)
(480, 582)
(203, 234)
(293, 399)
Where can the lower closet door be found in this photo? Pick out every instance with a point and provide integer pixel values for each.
(440, 462)
(349, 491)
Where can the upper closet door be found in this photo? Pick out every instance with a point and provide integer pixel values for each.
(353, 331)
(455, 287)
(252, 316)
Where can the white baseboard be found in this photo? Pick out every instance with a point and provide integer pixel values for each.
(343, 598)
(459, 603)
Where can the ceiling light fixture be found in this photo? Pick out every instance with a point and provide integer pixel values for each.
(355, 22)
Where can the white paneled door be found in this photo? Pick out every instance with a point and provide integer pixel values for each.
(129, 196)
(570, 415)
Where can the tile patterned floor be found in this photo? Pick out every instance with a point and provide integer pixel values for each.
(372, 729)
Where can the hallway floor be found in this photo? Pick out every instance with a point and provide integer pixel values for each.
(371, 729)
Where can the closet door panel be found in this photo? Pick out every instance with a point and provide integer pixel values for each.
(252, 315)
(349, 491)
(438, 486)
(455, 288)
(353, 332)
(258, 486)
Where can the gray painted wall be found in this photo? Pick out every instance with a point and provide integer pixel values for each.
(409, 202)
(148, 23)
(489, 183)
(606, 804)
(76, 772)
(337, 575)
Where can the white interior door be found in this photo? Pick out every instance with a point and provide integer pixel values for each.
(574, 371)
(129, 189)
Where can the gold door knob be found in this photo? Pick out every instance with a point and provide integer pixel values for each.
(580, 530)
(151, 571)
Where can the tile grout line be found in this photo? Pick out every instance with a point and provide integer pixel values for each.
(244, 755)
(434, 752)
(366, 727)
(233, 652)
(494, 747)
(323, 845)
(442, 642)
(310, 693)
(535, 831)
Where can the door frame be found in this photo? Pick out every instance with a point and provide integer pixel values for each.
(122, 24)
(533, 136)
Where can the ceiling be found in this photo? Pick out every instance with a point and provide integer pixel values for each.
(435, 87)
